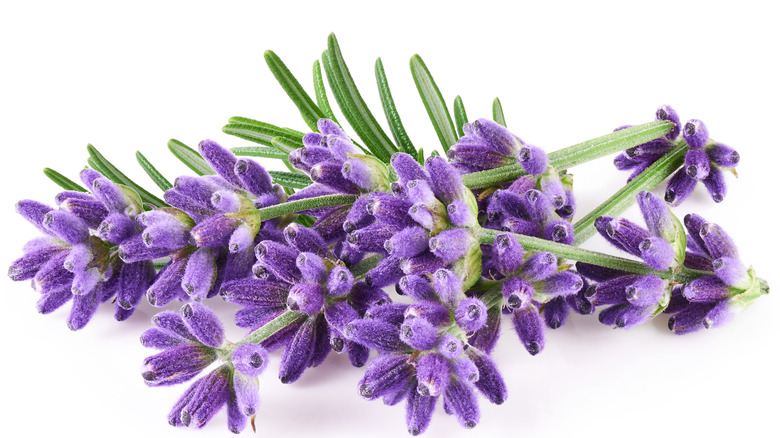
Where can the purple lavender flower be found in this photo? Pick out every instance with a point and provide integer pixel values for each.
(304, 275)
(705, 160)
(712, 300)
(421, 360)
(213, 229)
(191, 341)
(77, 257)
(707, 301)
(426, 225)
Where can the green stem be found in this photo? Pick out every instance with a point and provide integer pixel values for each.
(272, 327)
(626, 196)
(487, 236)
(304, 204)
(577, 154)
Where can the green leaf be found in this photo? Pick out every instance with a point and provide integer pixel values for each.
(498, 113)
(62, 181)
(321, 92)
(285, 144)
(153, 173)
(120, 178)
(306, 221)
(353, 106)
(460, 115)
(291, 180)
(259, 151)
(309, 110)
(391, 113)
(305, 204)
(259, 132)
(421, 155)
(434, 103)
(189, 157)
(276, 130)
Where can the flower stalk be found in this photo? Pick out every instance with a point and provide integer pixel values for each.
(577, 154)
(626, 196)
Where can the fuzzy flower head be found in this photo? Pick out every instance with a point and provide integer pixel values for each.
(714, 299)
(705, 160)
(707, 300)
(211, 232)
(427, 224)
(302, 274)
(488, 145)
(191, 341)
(336, 164)
(425, 355)
(536, 291)
(78, 258)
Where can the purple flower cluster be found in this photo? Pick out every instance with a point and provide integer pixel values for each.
(76, 259)
(415, 228)
(706, 301)
(705, 160)
(191, 341)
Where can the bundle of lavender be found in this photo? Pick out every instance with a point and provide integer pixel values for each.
(318, 256)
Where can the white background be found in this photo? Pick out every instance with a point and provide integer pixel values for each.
(128, 78)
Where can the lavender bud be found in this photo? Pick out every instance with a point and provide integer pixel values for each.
(697, 164)
(540, 266)
(695, 134)
(645, 291)
(245, 387)
(419, 334)
(306, 297)
(530, 328)
(407, 168)
(612, 291)
(66, 225)
(679, 188)
(220, 159)
(215, 231)
(452, 244)
(417, 287)
(366, 172)
(83, 309)
(409, 242)
(533, 159)
(297, 356)
(490, 382)
(159, 339)
(706, 289)
(419, 410)
(250, 359)
(278, 259)
(691, 319)
(461, 215)
(448, 287)
(449, 346)
(657, 253)
(657, 215)
(731, 271)
(384, 374)
(253, 176)
(305, 239)
(463, 403)
(556, 311)
(203, 323)
(446, 181)
(722, 155)
(507, 253)
(518, 292)
(715, 184)
(200, 273)
(471, 314)
(717, 242)
(666, 112)
(176, 365)
(433, 374)
(340, 281)
(376, 334)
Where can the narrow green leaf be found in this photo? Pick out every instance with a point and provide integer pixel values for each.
(99, 167)
(309, 110)
(190, 157)
(304, 204)
(391, 113)
(321, 92)
(498, 112)
(354, 107)
(338, 92)
(460, 115)
(291, 180)
(276, 130)
(262, 134)
(285, 145)
(434, 103)
(421, 156)
(259, 151)
(153, 173)
(124, 180)
(62, 181)
(306, 221)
